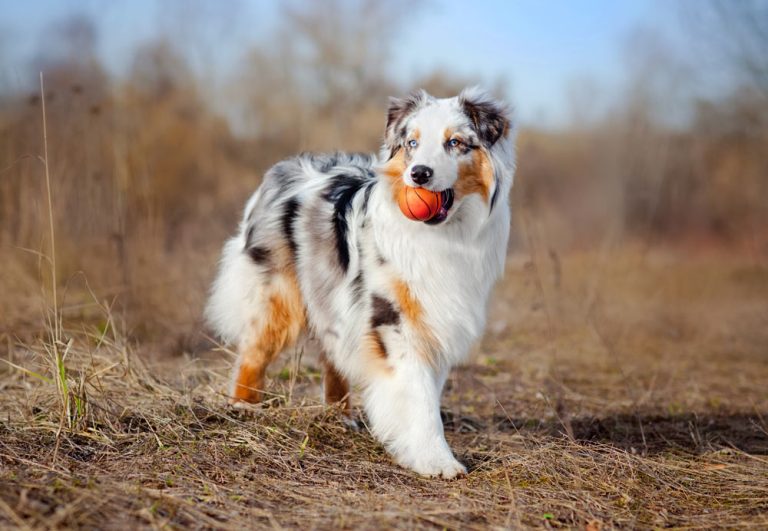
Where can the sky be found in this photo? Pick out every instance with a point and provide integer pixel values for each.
(539, 49)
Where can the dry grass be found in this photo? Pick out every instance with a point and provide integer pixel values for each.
(626, 390)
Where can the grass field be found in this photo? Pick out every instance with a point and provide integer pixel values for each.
(621, 388)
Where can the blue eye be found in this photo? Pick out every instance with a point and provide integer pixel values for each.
(413, 143)
(453, 142)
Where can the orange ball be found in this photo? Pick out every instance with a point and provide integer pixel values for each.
(419, 204)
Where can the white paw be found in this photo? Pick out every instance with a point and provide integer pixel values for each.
(446, 467)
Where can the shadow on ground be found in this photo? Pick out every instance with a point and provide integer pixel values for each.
(648, 434)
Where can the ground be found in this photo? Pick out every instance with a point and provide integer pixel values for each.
(612, 389)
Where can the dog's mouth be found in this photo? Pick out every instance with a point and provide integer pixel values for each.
(442, 214)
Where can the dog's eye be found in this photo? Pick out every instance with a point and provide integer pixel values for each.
(453, 142)
(413, 143)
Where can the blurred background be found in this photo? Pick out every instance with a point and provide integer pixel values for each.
(642, 125)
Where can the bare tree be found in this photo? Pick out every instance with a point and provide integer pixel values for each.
(734, 33)
(324, 71)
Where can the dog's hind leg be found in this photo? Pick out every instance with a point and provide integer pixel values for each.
(271, 331)
(335, 386)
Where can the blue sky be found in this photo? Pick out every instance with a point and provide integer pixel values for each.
(539, 48)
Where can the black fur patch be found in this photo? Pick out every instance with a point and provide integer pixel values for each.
(290, 209)
(367, 196)
(393, 151)
(357, 285)
(494, 196)
(341, 193)
(488, 120)
(259, 254)
(384, 312)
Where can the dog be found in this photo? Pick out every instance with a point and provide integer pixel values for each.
(395, 303)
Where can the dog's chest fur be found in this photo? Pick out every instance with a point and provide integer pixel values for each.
(449, 270)
(428, 281)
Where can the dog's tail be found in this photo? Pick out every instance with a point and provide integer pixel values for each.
(237, 292)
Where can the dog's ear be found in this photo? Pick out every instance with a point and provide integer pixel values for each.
(399, 110)
(488, 117)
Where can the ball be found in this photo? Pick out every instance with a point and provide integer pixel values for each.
(419, 204)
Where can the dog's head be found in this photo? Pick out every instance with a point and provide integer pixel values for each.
(446, 145)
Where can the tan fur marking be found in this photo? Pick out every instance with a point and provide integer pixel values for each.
(250, 379)
(376, 344)
(335, 386)
(393, 170)
(376, 351)
(410, 307)
(413, 312)
(475, 177)
(284, 320)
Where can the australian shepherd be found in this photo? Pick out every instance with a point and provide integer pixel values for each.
(323, 247)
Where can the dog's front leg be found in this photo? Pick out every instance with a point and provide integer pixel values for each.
(403, 406)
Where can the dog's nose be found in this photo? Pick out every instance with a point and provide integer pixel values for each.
(421, 174)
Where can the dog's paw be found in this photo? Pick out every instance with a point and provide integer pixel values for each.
(446, 467)
(234, 403)
(452, 470)
(350, 423)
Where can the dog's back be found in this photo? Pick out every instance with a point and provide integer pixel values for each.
(307, 198)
